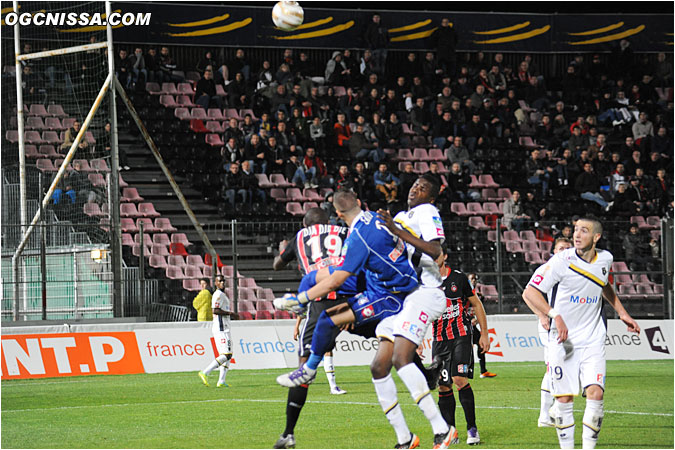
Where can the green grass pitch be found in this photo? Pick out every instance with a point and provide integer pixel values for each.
(176, 410)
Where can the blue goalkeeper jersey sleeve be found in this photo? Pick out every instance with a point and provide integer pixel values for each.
(383, 256)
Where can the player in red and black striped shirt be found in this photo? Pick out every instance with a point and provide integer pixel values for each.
(453, 345)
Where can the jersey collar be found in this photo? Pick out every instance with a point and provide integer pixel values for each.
(356, 220)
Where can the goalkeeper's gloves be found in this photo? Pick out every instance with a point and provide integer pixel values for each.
(292, 302)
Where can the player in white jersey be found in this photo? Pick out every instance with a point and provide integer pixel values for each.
(400, 335)
(543, 326)
(221, 334)
(577, 279)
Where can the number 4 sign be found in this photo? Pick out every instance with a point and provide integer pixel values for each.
(656, 340)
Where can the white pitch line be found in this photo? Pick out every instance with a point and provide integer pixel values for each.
(61, 408)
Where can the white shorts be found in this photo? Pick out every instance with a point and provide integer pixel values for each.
(421, 308)
(584, 367)
(543, 337)
(223, 342)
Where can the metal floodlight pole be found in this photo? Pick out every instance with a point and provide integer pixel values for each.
(167, 173)
(141, 264)
(68, 158)
(499, 266)
(235, 267)
(23, 208)
(667, 266)
(113, 186)
(20, 122)
(43, 254)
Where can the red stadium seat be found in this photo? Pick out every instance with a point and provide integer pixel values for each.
(92, 209)
(131, 194)
(99, 165)
(147, 210)
(404, 154)
(129, 210)
(56, 111)
(128, 225)
(477, 223)
(158, 262)
(37, 109)
(215, 114)
(421, 154)
(192, 285)
(163, 224)
(147, 240)
(176, 260)
(160, 238)
(193, 272)
(264, 315)
(174, 273)
(127, 240)
(208, 261)
(49, 151)
(459, 209)
(280, 315)
(45, 165)
(197, 126)
(169, 88)
(180, 238)
(294, 208)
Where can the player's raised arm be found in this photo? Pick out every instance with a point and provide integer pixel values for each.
(610, 295)
(281, 261)
(431, 248)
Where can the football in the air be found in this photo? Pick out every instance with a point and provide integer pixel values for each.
(287, 15)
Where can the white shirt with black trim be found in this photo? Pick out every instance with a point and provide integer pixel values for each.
(574, 287)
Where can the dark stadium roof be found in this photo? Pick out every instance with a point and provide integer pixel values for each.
(545, 7)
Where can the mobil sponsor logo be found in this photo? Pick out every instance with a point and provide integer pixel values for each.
(70, 354)
(581, 300)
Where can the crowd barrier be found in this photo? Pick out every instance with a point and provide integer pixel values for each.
(131, 348)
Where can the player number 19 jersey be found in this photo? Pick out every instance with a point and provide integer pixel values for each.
(575, 288)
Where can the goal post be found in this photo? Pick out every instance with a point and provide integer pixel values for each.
(73, 70)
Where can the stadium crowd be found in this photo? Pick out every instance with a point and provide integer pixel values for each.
(594, 138)
(599, 132)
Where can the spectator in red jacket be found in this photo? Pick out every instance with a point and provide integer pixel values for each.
(342, 131)
(311, 160)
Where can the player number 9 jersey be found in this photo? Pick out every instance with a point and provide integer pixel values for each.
(575, 289)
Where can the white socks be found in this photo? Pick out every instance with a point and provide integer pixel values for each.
(546, 399)
(223, 372)
(386, 395)
(564, 423)
(329, 368)
(592, 422)
(417, 385)
(219, 361)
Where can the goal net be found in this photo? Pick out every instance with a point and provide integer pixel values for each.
(61, 75)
